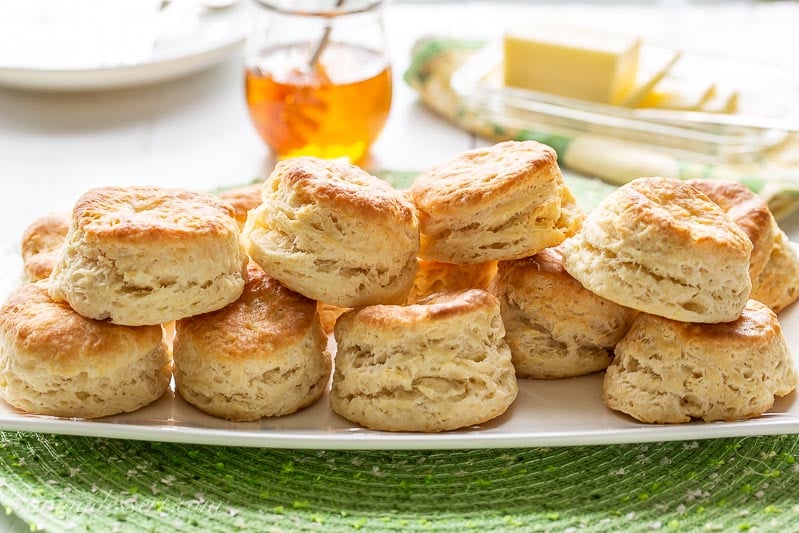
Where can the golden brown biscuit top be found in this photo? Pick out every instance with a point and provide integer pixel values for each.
(41, 242)
(744, 207)
(546, 264)
(672, 205)
(479, 175)
(243, 199)
(341, 186)
(449, 272)
(152, 213)
(434, 276)
(549, 260)
(266, 318)
(756, 322)
(45, 234)
(51, 334)
(440, 306)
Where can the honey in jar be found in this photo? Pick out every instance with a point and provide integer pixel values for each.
(333, 108)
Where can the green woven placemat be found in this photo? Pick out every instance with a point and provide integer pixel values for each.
(84, 484)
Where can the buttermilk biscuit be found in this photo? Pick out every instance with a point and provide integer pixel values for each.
(778, 285)
(243, 199)
(435, 277)
(750, 212)
(263, 355)
(504, 202)
(145, 255)
(669, 372)
(334, 233)
(660, 246)
(56, 362)
(328, 314)
(774, 265)
(555, 328)
(40, 245)
(437, 365)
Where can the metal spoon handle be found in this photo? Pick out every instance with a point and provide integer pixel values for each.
(322, 44)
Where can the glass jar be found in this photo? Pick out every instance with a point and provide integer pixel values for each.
(318, 79)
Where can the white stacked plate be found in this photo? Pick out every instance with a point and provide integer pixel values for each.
(50, 45)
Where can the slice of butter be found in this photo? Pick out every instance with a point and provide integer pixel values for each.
(724, 101)
(654, 62)
(570, 61)
(679, 94)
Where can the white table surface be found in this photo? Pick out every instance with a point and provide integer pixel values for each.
(195, 132)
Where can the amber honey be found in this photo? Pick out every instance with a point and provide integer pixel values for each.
(333, 109)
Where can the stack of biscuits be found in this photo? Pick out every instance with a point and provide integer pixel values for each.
(687, 261)
(335, 234)
(90, 333)
(438, 298)
(437, 359)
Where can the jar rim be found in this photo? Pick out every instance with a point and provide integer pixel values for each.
(360, 7)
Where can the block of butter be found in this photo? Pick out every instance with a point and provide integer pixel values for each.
(571, 61)
(653, 65)
(725, 100)
(679, 94)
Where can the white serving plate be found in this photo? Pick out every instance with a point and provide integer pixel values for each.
(564, 412)
(215, 36)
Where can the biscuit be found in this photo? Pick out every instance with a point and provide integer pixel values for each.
(328, 315)
(555, 328)
(145, 255)
(438, 365)
(334, 233)
(668, 372)
(749, 211)
(243, 199)
(263, 355)
(662, 247)
(503, 202)
(169, 334)
(40, 245)
(777, 286)
(434, 277)
(56, 362)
